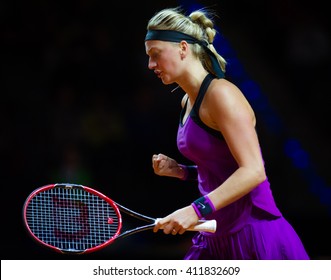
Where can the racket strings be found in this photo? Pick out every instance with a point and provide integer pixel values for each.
(71, 219)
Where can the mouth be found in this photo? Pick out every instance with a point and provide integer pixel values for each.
(158, 73)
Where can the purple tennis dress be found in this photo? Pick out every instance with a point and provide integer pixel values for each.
(251, 228)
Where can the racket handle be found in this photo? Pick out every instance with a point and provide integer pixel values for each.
(202, 225)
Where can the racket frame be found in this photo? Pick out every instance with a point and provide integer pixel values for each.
(209, 226)
(72, 186)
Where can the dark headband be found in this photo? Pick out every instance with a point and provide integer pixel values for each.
(176, 36)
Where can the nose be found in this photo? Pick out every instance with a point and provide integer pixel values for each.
(151, 64)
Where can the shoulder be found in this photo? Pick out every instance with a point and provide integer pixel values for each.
(223, 85)
(224, 98)
(225, 91)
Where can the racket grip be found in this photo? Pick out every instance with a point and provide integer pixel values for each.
(204, 225)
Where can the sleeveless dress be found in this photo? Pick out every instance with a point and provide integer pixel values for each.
(249, 228)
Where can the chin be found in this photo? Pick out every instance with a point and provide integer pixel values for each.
(166, 81)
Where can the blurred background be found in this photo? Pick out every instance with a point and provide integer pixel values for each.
(79, 105)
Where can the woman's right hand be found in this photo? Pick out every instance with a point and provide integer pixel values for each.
(166, 166)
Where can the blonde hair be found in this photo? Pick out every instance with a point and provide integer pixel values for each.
(198, 24)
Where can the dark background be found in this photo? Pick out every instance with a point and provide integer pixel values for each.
(79, 105)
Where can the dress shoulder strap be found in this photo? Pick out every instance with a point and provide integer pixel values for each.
(195, 110)
(202, 91)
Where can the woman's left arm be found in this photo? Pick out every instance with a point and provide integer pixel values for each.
(232, 115)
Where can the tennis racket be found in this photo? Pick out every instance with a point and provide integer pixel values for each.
(70, 218)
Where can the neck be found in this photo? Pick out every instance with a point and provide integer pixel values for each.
(191, 82)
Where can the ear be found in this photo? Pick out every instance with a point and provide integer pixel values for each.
(183, 45)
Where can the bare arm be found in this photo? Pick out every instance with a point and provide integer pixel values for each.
(231, 114)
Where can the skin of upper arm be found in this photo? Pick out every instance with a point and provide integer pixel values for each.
(230, 113)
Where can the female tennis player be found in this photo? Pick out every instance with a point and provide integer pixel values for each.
(217, 133)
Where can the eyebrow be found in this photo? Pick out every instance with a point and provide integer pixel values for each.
(151, 49)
